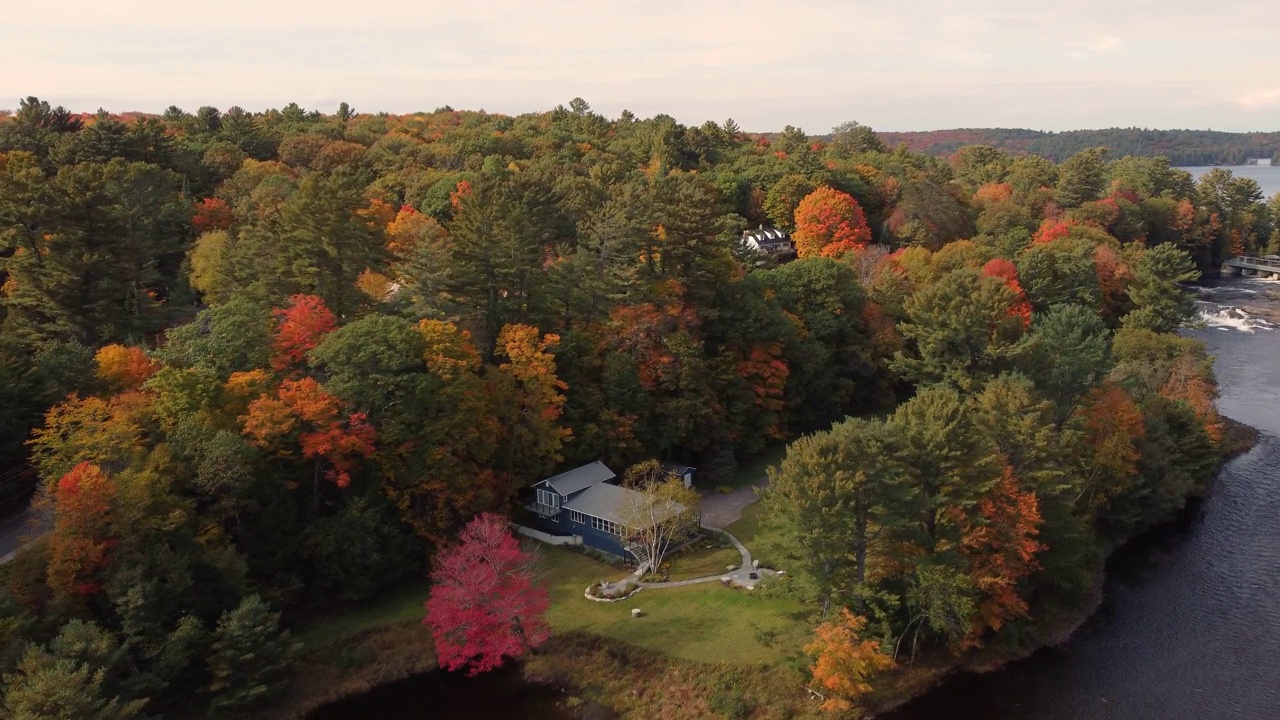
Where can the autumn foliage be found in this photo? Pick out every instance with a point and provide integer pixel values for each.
(1007, 271)
(829, 223)
(843, 661)
(304, 408)
(212, 214)
(80, 544)
(301, 326)
(1001, 546)
(484, 605)
(124, 368)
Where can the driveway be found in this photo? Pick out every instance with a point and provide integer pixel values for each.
(719, 510)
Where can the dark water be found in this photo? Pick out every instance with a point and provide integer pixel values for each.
(499, 695)
(1190, 627)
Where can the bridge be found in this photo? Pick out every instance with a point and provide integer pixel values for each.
(1267, 267)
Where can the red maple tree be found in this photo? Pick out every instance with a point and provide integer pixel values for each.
(80, 543)
(484, 606)
(302, 326)
(1007, 271)
(212, 214)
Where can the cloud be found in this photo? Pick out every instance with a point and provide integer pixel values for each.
(1260, 99)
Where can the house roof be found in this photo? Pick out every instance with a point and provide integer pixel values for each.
(608, 502)
(602, 500)
(571, 481)
(771, 239)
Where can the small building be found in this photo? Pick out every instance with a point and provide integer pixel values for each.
(774, 244)
(684, 472)
(587, 502)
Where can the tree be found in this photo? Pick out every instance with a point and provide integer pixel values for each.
(124, 368)
(965, 329)
(484, 605)
(783, 197)
(1159, 302)
(75, 678)
(323, 433)
(1000, 545)
(249, 659)
(842, 497)
(655, 517)
(81, 540)
(843, 661)
(302, 325)
(1083, 177)
(529, 400)
(830, 223)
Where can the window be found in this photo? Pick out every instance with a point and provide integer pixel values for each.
(575, 516)
(607, 526)
(548, 498)
(548, 503)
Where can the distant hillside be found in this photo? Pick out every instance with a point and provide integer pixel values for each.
(1182, 147)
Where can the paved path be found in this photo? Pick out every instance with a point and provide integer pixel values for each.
(741, 576)
(720, 510)
(16, 527)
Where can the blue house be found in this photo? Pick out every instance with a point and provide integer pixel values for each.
(586, 502)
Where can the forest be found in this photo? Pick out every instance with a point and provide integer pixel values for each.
(263, 365)
(1182, 147)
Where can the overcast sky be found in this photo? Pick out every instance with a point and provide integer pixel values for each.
(896, 65)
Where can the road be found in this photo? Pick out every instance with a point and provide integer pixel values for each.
(13, 529)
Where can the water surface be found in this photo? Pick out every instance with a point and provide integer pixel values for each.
(1268, 176)
(1190, 625)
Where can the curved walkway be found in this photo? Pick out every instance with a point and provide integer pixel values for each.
(741, 576)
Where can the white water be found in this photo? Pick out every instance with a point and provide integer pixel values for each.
(1226, 317)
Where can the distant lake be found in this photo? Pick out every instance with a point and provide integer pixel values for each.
(1268, 176)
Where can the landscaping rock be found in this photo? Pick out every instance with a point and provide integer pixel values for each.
(755, 564)
(635, 612)
(731, 568)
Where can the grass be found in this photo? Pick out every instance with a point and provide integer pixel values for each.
(705, 623)
(698, 561)
(400, 604)
(756, 468)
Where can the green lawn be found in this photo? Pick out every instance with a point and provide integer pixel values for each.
(697, 561)
(706, 623)
(757, 467)
(399, 604)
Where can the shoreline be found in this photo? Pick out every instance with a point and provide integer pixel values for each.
(1238, 440)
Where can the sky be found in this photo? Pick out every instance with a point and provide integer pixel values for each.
(897, 65)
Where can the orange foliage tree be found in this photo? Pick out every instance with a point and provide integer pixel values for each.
(1187, 383)
(830, 223)
(843, 661)
(323, 432)
(1007, 271)
(1051, 230)
(1000, 545)
(80, 541)
(1112, 426)
(766, 372)
(124, 368)
(302, 325)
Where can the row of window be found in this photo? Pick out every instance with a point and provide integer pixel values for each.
(606, 526)
(548, 498)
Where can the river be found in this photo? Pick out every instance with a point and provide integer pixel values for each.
(1188, 629)
(1190, 624)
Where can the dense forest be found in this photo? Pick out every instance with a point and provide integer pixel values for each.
(1182, 147)
(268, 363)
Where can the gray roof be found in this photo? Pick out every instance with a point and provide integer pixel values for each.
(608, 502)
(571, 481)
(602, 500)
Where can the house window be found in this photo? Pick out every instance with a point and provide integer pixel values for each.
(575, 516)
(548, 498)
(548, 503)
(606, 526)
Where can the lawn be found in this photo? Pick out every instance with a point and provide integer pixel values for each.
(401, 603)
(757, 467)
(705, 623)
(698, 561)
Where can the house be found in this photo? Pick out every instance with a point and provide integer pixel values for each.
(772, 243)
(587, 502)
